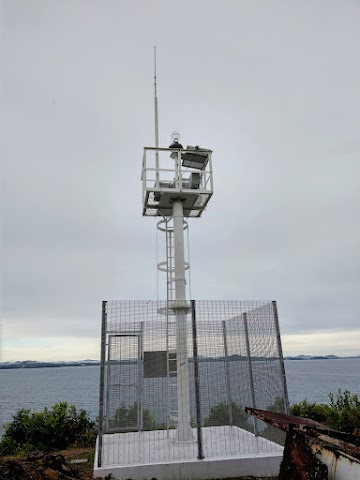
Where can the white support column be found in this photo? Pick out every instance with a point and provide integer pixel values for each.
(183, 433)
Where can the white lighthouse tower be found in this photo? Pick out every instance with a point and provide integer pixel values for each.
(177, 184)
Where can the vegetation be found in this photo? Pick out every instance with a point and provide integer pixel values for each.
(219, 415)
(127, 417)
(342, 413)
(277, 406)
(270, 432)
(57, 428)
(62, 426)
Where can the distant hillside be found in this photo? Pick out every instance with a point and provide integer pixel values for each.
(318, 357)
(37, 364)
(89, 362)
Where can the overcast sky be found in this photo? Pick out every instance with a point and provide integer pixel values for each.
(272, 87)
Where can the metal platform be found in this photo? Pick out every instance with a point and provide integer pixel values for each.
(170, 175)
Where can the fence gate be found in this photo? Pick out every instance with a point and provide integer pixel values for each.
(124, 382)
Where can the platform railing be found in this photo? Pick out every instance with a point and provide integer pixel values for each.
(163, 171)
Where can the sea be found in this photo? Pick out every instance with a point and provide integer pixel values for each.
(36, 388)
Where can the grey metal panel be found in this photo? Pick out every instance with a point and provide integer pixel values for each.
(155, 364)
(196, 159)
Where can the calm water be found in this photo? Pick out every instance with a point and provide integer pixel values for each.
(315, 379)
(37, 388)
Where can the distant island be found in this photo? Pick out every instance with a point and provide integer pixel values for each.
(38, 364)
(88, 362)
(319, 357)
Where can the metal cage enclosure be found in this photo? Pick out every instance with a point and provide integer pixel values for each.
(234, 361)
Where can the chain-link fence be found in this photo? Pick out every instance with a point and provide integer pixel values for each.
(234, 359)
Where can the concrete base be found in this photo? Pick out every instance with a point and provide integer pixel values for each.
(228, 451)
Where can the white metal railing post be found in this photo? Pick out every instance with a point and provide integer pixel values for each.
(178, 181)
(211, 172)
(143, 176)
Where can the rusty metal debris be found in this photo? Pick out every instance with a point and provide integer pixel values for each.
(313, 451)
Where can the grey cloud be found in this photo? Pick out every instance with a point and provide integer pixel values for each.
(272, 89)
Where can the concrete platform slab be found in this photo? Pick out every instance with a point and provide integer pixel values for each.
(228, 451)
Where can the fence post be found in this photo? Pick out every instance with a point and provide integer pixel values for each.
(278, 339)
(251, 379)
(107, 381)
(102, 377)
(140, 412)
(227, 376)
(197, 383)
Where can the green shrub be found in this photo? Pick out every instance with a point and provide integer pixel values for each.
(315, 411)
(277, 406)
(342, 413)
(270, 432)
(126, 417)
(52, 429)
(219, 415)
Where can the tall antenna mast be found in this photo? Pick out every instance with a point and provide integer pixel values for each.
(156, 122)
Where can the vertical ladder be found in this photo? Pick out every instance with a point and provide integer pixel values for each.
(172, 402)
(166, 225)
(172, 393)
(170, 260)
